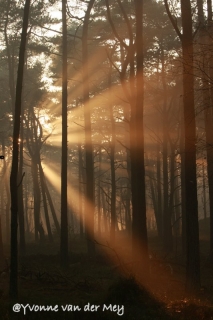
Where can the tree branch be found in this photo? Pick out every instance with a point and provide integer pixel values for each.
(172, 20)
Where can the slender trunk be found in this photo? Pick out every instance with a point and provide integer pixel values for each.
(1, 245)
(166, 212)
(37, 199)
(15, 156)
(192, 228)
(201, 19)
(7, 212)
(99, 192)
(20, 196)
(183, 194)
(105, 222)
(207, 92)
(6, 185)
(128, 210)
(159, 195)
(177, 202)
(189, 159)
(80, 176)
(209, 156)
(171, 198)
(2, 204)
(209, 133)
(112, 164)
(154, 202)
(49, 231)
(139, 229)
(64, 219)
(90, 199)
(26, 207)
(10, 59)
(55, 219)
(204, 192)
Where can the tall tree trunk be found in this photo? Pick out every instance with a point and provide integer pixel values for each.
(171, 197)
(7, 191)
(105, 219)
(183, 187)
(204, 192)
(207, 92)
(154, 197)
(2, 205)
(1, 246)
(15, 155)
(20, 196)
(42, 182)
(10, 59)
(208, 116)
(64, 220)
(177, 200)
(37, 198)
(159, 196)
(112, 163)
(139, 229)
(26, 187)
(55, 219)
(201, 19)
(190, 179)
(192, 228)
(90, 199)
(166, 214)
(80, 179)
(7, 211)
(209, 132)
(99, 192)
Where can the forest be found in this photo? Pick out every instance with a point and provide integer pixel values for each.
(106, 159)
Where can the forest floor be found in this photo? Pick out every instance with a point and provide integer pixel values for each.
(104, 288)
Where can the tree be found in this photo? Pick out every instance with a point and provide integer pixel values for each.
(64, 221)
(14, 183)
(205, 63)
(134, 92)
(139, 229)
(89, 217)
(190, 179)
(209, 132)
